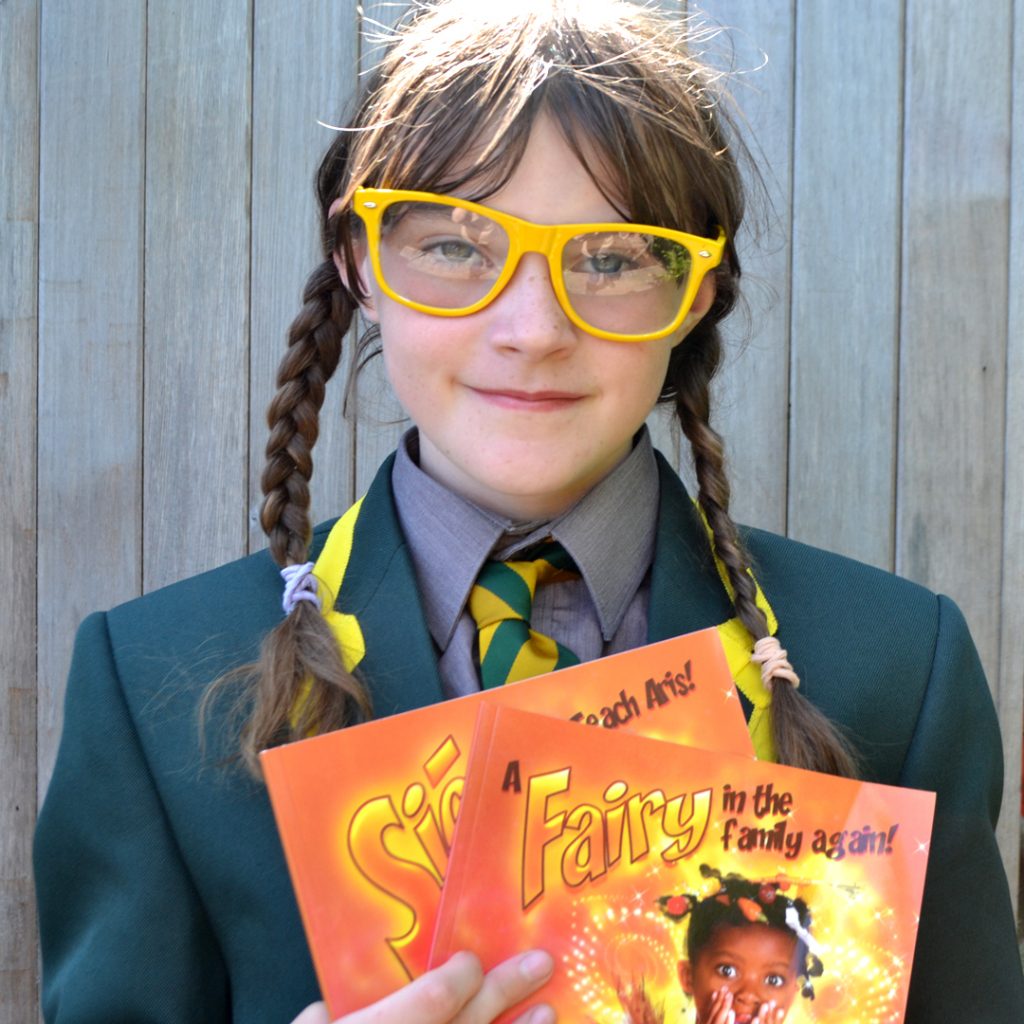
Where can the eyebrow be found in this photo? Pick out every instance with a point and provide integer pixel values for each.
(774, 965)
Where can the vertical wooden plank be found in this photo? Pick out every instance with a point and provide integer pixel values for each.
(19, 200)
(90, 327)
(755, 394)
(1010, 682)
(379, 419)
(846, 218)
(954, 321)
(752, 393)
(305, 72)
(197, 287)
(953, 383)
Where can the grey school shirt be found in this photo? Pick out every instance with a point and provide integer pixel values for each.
(609, 533)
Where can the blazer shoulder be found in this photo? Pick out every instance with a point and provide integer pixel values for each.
(792, 565)
(869, 646)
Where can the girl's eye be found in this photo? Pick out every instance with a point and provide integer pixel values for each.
(775, 980)
(607, 263)
(457, 250)
(726, 971)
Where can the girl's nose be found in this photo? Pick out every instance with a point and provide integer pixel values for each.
(527, 316)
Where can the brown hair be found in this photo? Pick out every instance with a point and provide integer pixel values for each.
(623, 82)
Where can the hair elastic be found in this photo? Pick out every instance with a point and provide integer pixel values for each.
(794, 925)
(299, 585)
(774, 663)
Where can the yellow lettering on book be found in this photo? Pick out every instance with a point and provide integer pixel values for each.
(401, 848)
(578, 843)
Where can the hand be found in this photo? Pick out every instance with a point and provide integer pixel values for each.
(457, 992)
(720, 1010)
(770, 1013)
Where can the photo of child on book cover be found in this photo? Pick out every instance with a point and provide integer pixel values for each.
(749, 952)
(683, 886)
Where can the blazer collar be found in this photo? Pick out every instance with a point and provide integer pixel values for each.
(380, 590)
(686, 591)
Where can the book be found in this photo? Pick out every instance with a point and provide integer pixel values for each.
(643, 867)
(366, 814)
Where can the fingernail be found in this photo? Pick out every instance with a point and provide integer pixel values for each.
(536, 966)
(541, 1015)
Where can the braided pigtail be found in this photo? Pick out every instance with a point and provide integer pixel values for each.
(299, 684)
(803, 736)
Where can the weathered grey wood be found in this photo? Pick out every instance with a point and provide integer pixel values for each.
(19, 197)
(846, 222)
(752, 394)
(90, 327)
(379, 419)
(304, 72)
(1010, 681)
(954, 310)
(197, 275)
(952, 374)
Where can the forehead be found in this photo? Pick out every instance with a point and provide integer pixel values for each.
(758, 942)
(552, 178)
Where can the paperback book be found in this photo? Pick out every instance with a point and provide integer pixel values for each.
(676, 884)
(366, 814)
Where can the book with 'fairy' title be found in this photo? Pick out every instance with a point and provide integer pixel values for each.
(675, 884)
(366, 814)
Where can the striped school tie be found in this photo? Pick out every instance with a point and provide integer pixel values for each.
(501, 602)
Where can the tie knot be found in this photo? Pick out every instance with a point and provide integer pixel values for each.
(501, 603)
(505, 590)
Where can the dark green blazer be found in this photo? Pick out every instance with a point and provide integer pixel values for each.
(163, 893)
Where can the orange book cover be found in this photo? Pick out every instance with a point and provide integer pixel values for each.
(675, 884)
(366, 815)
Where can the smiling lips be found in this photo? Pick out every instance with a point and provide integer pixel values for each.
(536, 401)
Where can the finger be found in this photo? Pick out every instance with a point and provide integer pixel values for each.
(720, 1009)
(507, 984)
(433, 998)
(315, 1013)
(539, 1014)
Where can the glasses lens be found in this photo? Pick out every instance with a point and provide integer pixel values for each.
(441, 256)
(626, 282)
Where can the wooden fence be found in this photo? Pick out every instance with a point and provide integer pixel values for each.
(157, 224)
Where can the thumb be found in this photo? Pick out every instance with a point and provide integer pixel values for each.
(315, 1013)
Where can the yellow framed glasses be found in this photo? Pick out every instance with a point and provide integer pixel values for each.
(449, 257)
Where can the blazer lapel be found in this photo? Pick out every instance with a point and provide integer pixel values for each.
(686, 592)
(379, 588)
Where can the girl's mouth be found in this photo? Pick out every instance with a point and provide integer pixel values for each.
(538, 401)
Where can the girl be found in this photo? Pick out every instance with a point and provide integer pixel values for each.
(749, 950)
(534, 210)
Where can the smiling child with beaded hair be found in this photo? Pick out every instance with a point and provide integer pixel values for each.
(535, 209)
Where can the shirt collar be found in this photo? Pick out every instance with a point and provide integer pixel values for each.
(450, 538)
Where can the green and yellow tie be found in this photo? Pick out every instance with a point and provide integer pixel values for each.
(501, 602)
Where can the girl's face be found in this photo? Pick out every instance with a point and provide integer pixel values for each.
(754, 964)
(517, 409)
